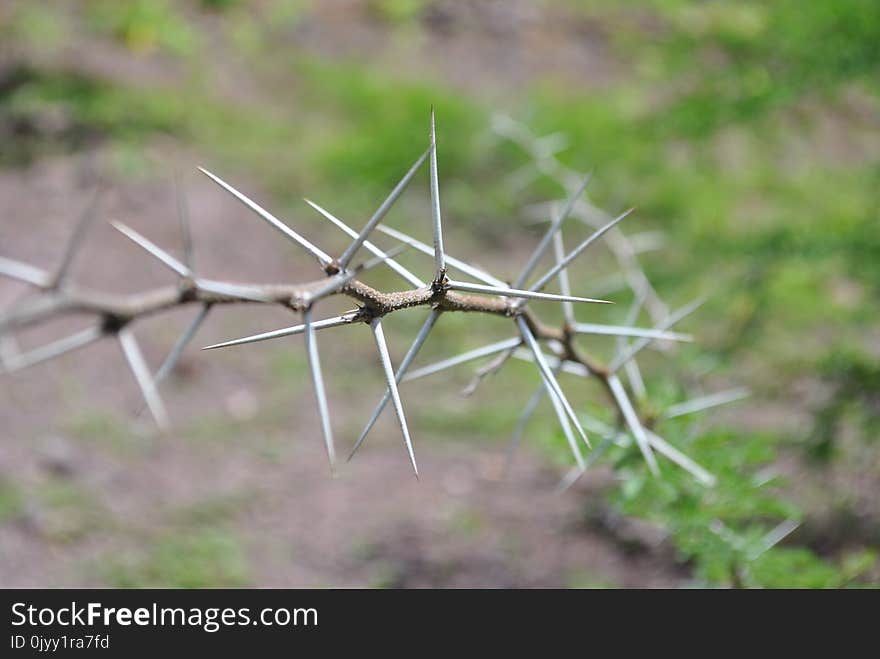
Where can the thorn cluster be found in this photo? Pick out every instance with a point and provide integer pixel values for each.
(552, 350)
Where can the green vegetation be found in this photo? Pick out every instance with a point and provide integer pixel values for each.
(200, 558)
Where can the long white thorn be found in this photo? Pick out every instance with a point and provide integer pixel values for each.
(322, 256)
(549, 377)
(521, 422)
(577, 251)
(141, 372)
(548, 236)
(470, 355)
(185, 229)
(380, 213)
(633, 373)
(518, 293)
(336, 321)
(632, 420)
(572, 368)
(146, 244)
(706, 402)
(624, 330)
(73, 245)
(391, 381)
(665, 448)
(644, 342)
(391, 263)
(241, 291)
(181, 343)
(24, 272)
(408, 358)
(458, 264)
(564, 283)
(437, 223)
(318, 383)
(17, 362)
(338, 281)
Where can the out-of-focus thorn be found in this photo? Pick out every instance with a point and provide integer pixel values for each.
(564, 283)
(76, 239)
(318, 382)
(391, 263)
(185, 229)
(665, 448)
(417, 344)
(336, 321)
(632, 420)
(181, 343)
(336, 282)
(548, 236)
(572, 368)
(240, 291)
(323, 258)
(776, 535)
(470, 355)
(549, 377)
(391, 381)
(146, 244)
(141, 372)
(577, 251)
(633, 373)
(706, 402)
(177, 349)
(521, 422)
(24, 272)
(486, 370)
(380, 213)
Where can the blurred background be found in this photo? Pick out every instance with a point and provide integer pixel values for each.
(747, 134)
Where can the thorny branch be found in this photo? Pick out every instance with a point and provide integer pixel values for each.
(552, 349)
